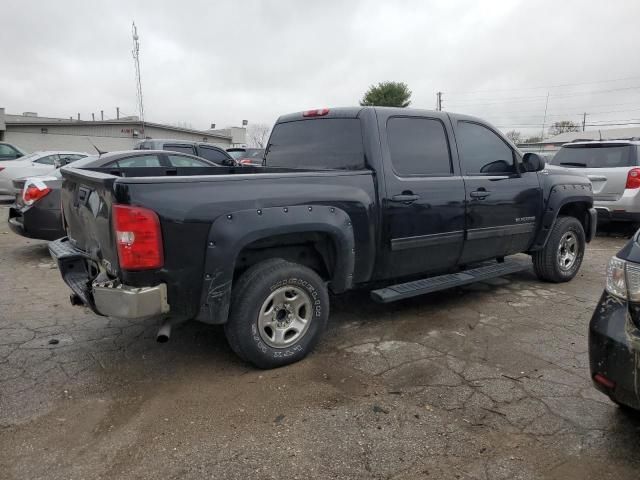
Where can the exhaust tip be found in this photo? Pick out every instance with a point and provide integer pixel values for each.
(164, 333)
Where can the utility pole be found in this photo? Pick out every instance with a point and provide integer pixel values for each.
(102, 115)
(439, 101)
(584, 120)
(136, 60)
(93, 117)
(544, 121)
(118, 113)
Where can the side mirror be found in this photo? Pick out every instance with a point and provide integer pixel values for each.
(533, 162)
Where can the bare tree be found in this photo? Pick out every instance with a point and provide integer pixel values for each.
(257, 135)
(563, 126)
(514, 136)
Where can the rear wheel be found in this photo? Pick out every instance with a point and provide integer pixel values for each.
(560, 259)
(279, 310)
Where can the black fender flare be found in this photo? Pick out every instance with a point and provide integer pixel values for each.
(559, 196)
(230, 233)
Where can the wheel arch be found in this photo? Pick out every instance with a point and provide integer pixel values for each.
(567, 200)
(304, 234)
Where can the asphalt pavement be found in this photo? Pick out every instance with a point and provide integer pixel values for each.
(485, 382)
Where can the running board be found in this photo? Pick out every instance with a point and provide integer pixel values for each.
(442, 282)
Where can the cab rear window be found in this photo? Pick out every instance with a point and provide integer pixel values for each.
(328, 143)
(596, 156)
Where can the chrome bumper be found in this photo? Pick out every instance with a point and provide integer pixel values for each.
(107, 298)
(123, 301)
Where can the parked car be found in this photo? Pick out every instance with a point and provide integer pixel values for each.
(247, 156)
(10, 152)
(36, 212)
(613, 167)
(33, 165)
(200, 149)
(349, 198)
(614, 331)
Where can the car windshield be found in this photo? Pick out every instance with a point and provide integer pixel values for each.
(236, 154)
(30, 156)
(599, 155)
(254, 153)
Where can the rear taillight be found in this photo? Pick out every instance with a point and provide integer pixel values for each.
(138, 238)
(32, 193)
(1, 168)
(633, 178)
(244, 161)
(604, 381)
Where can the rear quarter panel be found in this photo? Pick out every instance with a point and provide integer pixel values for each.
(187, 207)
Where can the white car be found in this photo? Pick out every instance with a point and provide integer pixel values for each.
(33, 165)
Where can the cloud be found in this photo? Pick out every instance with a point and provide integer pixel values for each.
(226, 61)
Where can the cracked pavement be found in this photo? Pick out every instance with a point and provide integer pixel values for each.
(485, 382)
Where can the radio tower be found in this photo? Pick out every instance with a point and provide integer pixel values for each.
(136, 61)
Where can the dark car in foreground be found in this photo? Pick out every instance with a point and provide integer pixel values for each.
(400, 201)
(36, 212)
(614, 331)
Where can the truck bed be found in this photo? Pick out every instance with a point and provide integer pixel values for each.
(187, 203)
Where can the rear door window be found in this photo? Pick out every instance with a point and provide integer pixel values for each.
(48, 160)
(482, 151)
(138, 161)
(418, 146)
(596, 156)
(328, 143)
(184, 161)
(213, 154)
(182, 148)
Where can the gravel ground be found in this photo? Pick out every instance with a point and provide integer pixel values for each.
(485, 382)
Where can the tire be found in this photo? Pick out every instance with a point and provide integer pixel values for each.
(278, 312)
(555, 263)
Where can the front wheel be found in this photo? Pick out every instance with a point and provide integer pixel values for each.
(560, 259)
(279, 310)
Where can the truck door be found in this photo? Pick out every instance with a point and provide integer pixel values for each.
(423, 209)
(502, 201)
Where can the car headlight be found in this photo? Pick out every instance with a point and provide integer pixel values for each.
(623, 279)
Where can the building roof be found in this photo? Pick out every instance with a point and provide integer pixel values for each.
(609, 134)
(49, 121)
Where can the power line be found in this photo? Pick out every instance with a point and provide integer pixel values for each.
(546, 87)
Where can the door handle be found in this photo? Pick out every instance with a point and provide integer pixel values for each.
(405, 198)
(479, 194)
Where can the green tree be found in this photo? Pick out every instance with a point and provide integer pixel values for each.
(387, 94)
(563, 126)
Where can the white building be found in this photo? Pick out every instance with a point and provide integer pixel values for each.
(32, 132)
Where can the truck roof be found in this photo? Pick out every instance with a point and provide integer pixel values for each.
(354, 112)
(611, 143)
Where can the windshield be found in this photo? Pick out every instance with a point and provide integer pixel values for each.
(236, 154)
(30, 156)
(595, 156)
(332, 143)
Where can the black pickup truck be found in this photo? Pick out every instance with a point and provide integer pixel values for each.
(400, 201)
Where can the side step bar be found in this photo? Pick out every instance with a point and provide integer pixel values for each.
(442, 282)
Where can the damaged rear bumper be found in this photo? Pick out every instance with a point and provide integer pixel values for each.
(614, 351)
(107, 298)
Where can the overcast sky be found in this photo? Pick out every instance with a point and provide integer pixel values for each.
(221, 62)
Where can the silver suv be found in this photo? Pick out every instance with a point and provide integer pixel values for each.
(614, 171)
